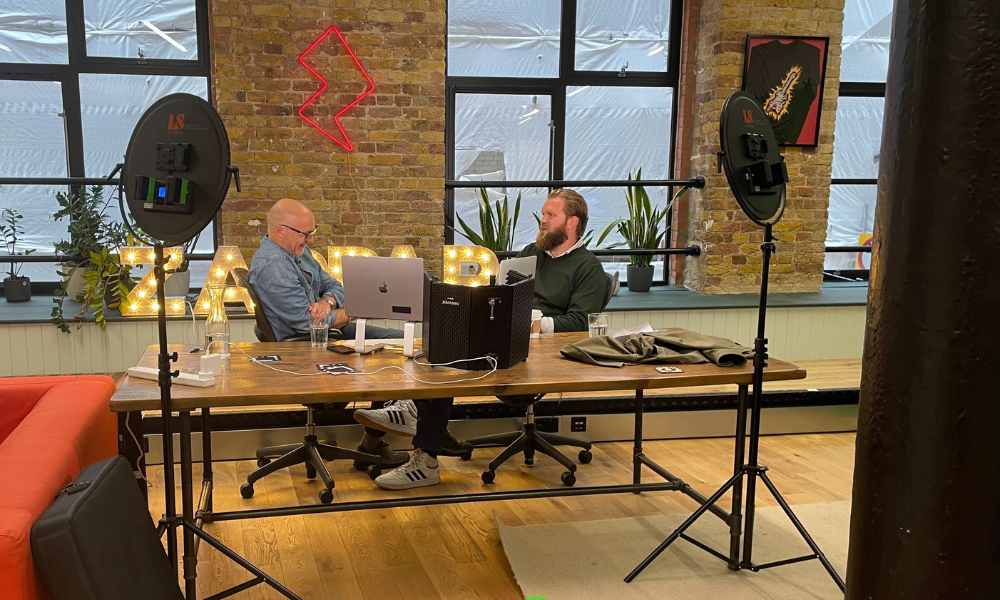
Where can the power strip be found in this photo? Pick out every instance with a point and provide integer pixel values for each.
(150, 373)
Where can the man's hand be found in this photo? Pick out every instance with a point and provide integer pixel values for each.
(319, 309)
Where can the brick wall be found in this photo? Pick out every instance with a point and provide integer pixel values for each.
(730, 260)
(390, 190)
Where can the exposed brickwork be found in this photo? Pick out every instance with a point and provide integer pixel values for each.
(390, 190)
(685, 133)
(730, 261)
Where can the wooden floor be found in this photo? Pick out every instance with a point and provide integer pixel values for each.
(453, 552)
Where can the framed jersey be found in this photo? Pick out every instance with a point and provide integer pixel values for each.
(785, 75)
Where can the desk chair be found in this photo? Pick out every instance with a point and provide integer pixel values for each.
(311, 452)
(529, 440)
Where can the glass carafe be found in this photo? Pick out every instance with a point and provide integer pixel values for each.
(217, 324)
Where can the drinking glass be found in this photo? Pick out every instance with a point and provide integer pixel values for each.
(319, 330)
(598, 324)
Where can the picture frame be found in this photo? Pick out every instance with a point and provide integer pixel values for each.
(786, 74)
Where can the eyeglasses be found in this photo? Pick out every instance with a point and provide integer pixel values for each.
(302, 233)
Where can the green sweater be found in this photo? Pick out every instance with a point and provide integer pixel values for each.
(568, 288)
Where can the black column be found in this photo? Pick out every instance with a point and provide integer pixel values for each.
(925, 520)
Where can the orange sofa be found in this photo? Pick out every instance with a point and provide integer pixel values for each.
(50, 428)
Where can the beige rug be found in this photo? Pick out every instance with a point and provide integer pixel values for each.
(589, 560)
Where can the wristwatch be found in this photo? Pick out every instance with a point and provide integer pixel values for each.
(333, 304)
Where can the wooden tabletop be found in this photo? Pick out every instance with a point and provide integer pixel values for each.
(244, 383)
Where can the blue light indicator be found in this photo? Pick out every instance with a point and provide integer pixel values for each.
(161, 192)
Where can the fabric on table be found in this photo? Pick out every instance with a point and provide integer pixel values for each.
(679, 346)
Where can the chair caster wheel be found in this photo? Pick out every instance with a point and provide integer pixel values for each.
(568, 478)
(467, 456)
(246, 490)
(310, 472)
(374, 471)
(326, 496)
(263, 461)
(489, 476)
(585, 457)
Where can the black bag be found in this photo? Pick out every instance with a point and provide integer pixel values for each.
(97, 541)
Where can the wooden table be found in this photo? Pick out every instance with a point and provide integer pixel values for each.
(245, 383)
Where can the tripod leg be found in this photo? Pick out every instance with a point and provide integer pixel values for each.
(736, 516)
(802, 531)
(684, 526)
(187, 503)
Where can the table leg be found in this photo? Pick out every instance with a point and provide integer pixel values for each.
(206, 455)
(187, 503)
(736, 516)
(637, 448)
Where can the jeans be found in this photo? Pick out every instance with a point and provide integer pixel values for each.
(432, 424)
(371, 332)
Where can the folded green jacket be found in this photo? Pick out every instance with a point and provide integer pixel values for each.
(680, 346)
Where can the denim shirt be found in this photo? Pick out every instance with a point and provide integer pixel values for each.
(286, 291)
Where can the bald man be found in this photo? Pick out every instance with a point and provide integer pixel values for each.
(293, 287)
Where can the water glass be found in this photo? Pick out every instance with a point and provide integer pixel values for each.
(319, 330)
(598, 324)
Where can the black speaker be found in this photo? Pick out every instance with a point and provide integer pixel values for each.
(463, 323)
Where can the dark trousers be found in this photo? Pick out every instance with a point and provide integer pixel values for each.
(432, 424)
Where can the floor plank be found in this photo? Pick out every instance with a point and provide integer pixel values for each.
(454, 551)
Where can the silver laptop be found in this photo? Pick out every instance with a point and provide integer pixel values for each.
(384, 288)
(524, 265)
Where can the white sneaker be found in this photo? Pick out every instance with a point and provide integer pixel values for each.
(398, 416)
(421, 471)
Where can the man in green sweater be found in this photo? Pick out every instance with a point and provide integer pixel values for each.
(570, 282)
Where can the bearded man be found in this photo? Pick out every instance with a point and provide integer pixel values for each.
(570, 282)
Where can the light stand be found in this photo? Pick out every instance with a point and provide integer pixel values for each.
(175, 180)
(757, 176)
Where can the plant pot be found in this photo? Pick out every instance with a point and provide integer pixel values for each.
(639, 278)
(178, 284)
(17, 289)
(74, 286)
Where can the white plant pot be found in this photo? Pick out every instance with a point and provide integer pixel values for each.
(74, 287)
(178, 284)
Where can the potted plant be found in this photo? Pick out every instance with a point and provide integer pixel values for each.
(179, 282)
(644, 229)
(496, 231)
(96, 240)
(15, 287)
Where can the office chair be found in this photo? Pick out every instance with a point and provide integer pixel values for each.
(310, 451)
(529, 440)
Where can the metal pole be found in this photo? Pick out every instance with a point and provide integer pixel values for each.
(206, 455)
(736, 516)
(694, 182)
(637, 447)
(164, 379)
(759, 361)
(187, 504)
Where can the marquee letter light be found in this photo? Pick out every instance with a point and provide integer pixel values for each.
(319, 259)
(469, 265)
(226, 259)
(141, 299)
(336, 253)
(346, 144)
(403, 251)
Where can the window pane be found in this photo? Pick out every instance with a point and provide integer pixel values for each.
(852, 213)
(611, 34)
(161, 28)
(610, 132)
(36, 204)
(33, 32)
(502, 137)
(503, 38)
(857, 138)
(112, 105)
(32, 131)
(867, 29)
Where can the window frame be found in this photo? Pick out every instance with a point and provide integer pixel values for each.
(68, 75)
(555, 87)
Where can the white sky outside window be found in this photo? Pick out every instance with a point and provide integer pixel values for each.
(504, 38)
(33, 31)
(611, 34)
(164, 29)
(865, 45)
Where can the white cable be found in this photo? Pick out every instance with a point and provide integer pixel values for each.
(194, 324)
(491, 360)
(142, 453)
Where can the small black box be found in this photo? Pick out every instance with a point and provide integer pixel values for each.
(97, 541)
(469, 322)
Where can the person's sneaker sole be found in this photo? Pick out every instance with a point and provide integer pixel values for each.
(408, 485)
(403, 430)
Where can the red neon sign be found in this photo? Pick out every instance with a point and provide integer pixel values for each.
(346, 144)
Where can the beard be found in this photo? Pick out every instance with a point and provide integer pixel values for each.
(553, 238)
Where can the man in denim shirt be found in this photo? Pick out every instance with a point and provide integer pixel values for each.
(293, 288)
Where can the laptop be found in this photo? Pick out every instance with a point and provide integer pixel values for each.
(378, 287)
(524, 265)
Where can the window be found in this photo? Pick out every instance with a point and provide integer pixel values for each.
(72, 88)
(858, 137)
(535, 92)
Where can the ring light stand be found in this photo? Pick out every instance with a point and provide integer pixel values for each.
(175, 176)
(757, 175)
